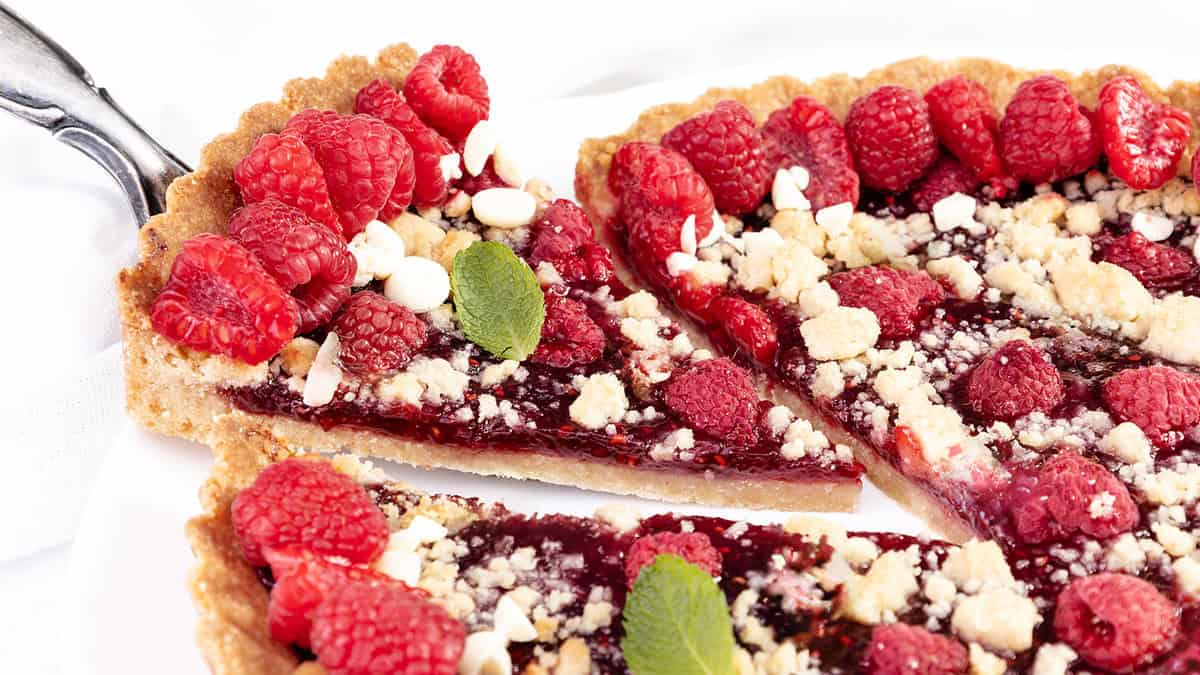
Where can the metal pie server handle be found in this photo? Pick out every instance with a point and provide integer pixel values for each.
(42, 83)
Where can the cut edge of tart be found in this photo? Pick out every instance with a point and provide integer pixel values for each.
(180, 391)
(837, 92)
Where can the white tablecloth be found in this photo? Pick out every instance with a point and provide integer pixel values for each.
(185, 70)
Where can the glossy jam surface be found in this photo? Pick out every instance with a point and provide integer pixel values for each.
(543, 400)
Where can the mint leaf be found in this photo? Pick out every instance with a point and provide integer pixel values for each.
(676, 622)
(498, 299)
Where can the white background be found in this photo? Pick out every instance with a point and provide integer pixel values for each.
(185, 70)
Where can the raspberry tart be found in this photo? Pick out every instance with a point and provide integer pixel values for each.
(316, 565)
(361, 266)
(983, 280)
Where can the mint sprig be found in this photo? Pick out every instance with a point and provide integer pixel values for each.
(498, 300)
(676, 622)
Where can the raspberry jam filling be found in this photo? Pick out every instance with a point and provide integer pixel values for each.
(542, 399)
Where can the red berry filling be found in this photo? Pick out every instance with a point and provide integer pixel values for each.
(220, 300)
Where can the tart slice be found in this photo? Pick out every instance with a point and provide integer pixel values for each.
(983, 280)
(361, 266)
(315, 565)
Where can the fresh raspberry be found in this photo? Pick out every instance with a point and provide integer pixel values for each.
(362, 158)
(280, 166)
(311, 505)
(726, 149)
(965, 122)
(750, 329)
(657, 190)
(365, 629)
(298, 592)
(307, 259)
(1014, 381)
(891, 137)
(378, 336)
(649, 178)
(946, 177)
(569, 336)
(1157, 266)
(1116, 621)
(1055, 502)
(1143, 138)
(695, 298)
(220, 300)
(694, 547)
(901, 649)
(899, 298)
(1156, 398)
(563, 237)
(447, 91)
(379, 100)
(715, 396)
(1045, 135)
(807, 134)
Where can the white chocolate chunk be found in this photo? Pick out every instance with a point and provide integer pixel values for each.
(419, 284)
(505, 208)
(324, 376)
(480, 145)
(1152, 227)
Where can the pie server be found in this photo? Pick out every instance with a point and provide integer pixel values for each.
(43, 84)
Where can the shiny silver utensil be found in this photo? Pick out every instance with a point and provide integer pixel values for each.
(43, 84)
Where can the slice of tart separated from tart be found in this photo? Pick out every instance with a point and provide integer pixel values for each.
(361, 266)
(983, 280)
(310, 564)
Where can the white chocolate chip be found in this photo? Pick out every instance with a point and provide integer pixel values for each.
(419, 284)
(505, 208)
(324, 376)
(511, 622)
(480, 145)
(449, 165)
(954, 211)
(678, 263)
(786, 191)
(484, 653)
(1152, 227)
(835, 219)
(687, 236)
(376, 250)
(506, 166)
